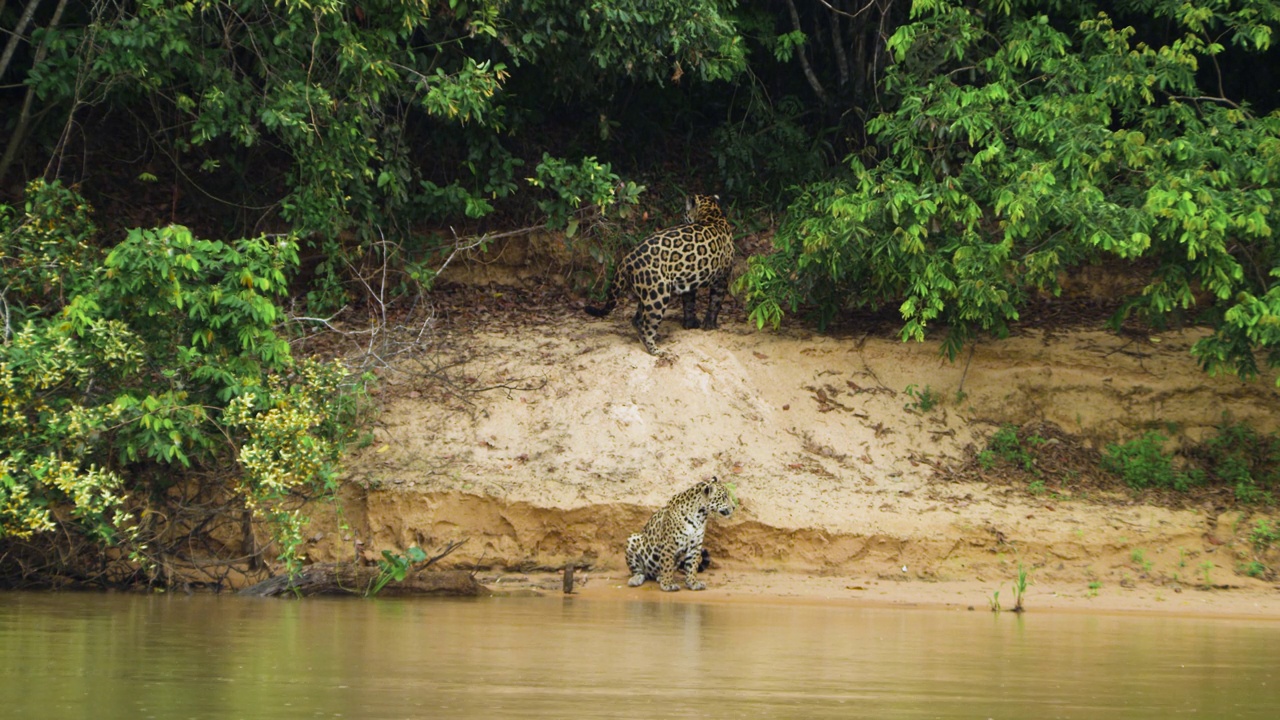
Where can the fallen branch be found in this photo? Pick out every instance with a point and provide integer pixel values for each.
(353, 579)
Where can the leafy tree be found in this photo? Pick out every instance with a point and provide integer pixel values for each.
(1025, 140)
(164, 365)
(357, 122)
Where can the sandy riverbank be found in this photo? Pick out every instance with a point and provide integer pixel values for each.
(542, 436)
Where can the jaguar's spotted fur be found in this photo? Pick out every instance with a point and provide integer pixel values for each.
(673, 537)
(676, 261)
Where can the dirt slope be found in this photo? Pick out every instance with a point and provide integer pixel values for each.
(843, 483)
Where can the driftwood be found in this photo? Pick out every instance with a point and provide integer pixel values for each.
(352, 579)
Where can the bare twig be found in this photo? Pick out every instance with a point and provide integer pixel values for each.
(972, 346)
(4, 308)
(1205, 98)
(453, 545)
(844, 13)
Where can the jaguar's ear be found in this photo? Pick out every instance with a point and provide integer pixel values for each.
(708, 486)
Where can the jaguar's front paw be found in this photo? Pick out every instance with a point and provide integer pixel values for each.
(697, 585)
(669, 587)
(636, 580)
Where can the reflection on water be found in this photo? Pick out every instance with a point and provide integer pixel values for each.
(111, 656)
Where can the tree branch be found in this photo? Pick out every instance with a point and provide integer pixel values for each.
(833, 9)
(24, 117)
(837, 45)
(12, 46)
(809, 74)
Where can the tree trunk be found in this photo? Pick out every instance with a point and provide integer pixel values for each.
(24, 117)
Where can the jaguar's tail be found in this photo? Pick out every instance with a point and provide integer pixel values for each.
(609, 304)
(705, 561)
(602, 311)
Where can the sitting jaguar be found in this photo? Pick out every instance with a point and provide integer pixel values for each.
(673, 537)
(676, 261)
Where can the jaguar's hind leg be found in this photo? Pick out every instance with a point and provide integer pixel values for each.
(635, 562)
(690, 309)
(649, 322)
(719, 287)
(691, 563)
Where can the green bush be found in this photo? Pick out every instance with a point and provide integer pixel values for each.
(1020, 141)
(48, 255)
(1237, 457)
(769, 137)
(1143, 463)
(922, 400)
(1264, 535)
(1244, 459)
(165, 367)
(1005, 445)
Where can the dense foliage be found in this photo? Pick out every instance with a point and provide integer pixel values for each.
(125, 374)
(1021, 140)
(1234, 457)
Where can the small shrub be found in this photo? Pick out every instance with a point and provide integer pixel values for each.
(1243, 458)
(1143, 463)
(1251, 495)
(732, 489)
(987, 459)
(1006, 446)
(394, 566)
(1264, 535)
(921, 400)
(1206, 569)
(1005, 440)
(1020, 584)
(1139, 558)
(1254, 569)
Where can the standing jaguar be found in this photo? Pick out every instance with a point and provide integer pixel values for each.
(673, 537)
(676, 261)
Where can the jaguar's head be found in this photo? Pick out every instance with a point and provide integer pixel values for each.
(718, 498)
(702, 208)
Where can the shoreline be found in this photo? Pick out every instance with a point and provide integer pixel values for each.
(1261, 602)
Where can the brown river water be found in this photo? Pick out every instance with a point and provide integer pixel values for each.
(122, 656)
